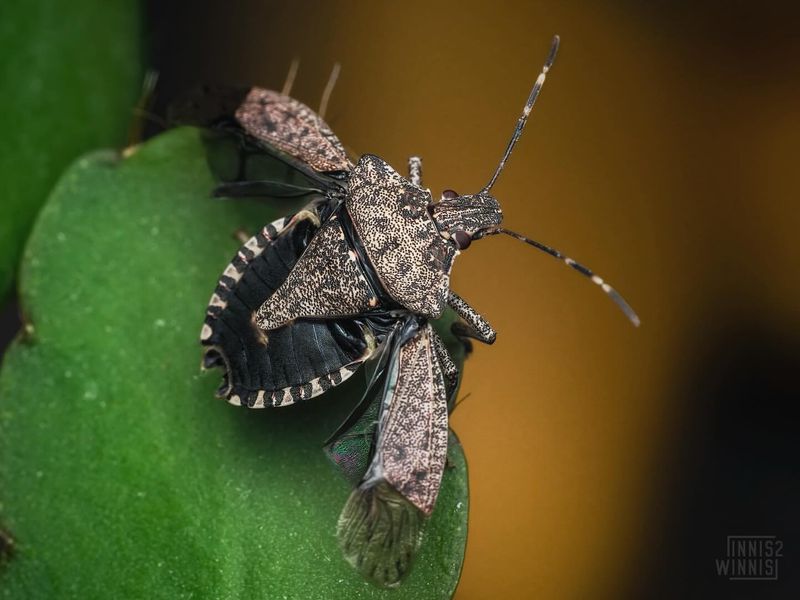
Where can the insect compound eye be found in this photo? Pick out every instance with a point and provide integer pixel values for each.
(462, 239)
(448, 194)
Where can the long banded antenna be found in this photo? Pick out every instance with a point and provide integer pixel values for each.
(326, 93)
(537, 87)
(290, 77)
(610, 291)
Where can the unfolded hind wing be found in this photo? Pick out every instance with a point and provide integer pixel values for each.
(296, 361)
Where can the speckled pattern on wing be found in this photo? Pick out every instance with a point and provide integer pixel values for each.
(261, 369)
(292, 127)
(391, 217)
(326, 282)
(412, 438)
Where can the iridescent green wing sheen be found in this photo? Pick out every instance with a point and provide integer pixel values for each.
(351, 447)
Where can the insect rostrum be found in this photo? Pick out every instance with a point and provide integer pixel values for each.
(355, 276)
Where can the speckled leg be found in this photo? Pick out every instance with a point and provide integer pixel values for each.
(415, 170)
(477, 327)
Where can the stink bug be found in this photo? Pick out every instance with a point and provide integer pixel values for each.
(355, 276)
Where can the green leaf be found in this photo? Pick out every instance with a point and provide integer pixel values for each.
(70, 74)
(121, 475)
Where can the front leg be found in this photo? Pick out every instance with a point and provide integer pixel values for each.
(263, 189)
(415, 170)
(478, 328)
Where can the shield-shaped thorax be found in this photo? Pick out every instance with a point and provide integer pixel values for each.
(390, 216)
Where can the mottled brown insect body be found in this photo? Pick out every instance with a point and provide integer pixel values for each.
(293, 128)
(411, 258)
(354, 276)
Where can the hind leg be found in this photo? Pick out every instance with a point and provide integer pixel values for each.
(475, 326)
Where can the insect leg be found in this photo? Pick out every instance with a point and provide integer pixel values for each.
(309, 212)
(262, 189)
(415, 170)
(477, 328)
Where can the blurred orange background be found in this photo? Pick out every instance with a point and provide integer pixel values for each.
(663, 154)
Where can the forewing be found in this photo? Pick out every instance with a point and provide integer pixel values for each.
(267, 122)
(327, 282)
(293, 128)
(411, 448)
(352, 446)
(379, 529)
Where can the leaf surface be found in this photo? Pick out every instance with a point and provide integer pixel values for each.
(121, 475)
(70, 75)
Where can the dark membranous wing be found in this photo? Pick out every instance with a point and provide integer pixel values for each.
(352, 446)
(293, 362)
(379, 532)
(380, 527)
(412, 434)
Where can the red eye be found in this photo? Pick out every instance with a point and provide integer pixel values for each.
(447, 194)
(462, 239)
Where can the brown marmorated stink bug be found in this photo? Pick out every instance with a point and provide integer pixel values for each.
(355, 276)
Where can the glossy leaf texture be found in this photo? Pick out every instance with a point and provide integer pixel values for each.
(71, 74)
(121, 475)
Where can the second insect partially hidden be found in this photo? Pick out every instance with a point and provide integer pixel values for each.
(355, 276)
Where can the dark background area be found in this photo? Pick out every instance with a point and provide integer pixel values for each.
(605, 462)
